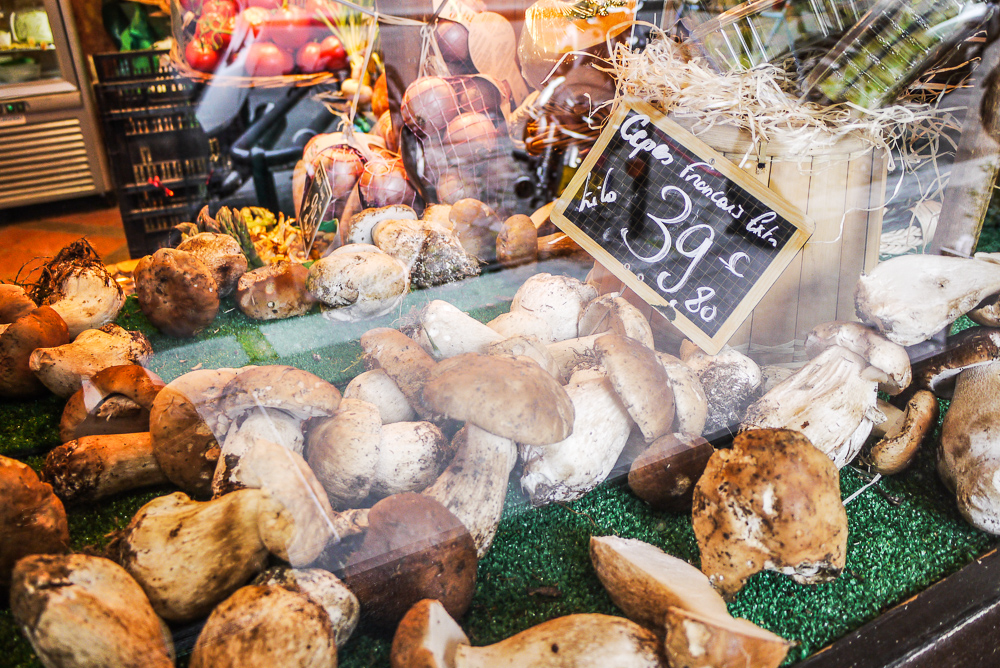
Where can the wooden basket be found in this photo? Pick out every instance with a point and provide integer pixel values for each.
(842, 189)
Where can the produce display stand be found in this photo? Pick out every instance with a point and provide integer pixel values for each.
(920, 586)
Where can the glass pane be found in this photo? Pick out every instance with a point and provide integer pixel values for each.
(27, 49)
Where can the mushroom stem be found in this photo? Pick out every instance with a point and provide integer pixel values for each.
(474, 485)
(94, 467)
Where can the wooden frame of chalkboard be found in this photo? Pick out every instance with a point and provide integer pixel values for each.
(717, 242)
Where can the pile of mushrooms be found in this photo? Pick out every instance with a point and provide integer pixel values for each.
(400, 484)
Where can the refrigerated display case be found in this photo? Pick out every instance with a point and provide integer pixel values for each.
(50, 147)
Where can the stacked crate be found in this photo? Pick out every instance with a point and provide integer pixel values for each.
(161, 159)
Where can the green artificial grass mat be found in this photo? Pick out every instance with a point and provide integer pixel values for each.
(904, 533)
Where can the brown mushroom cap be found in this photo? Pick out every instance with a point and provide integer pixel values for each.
(704, 640)
(403, 360)
(300, 393)
(664, 475)
(14, 303)
(184, 443)
(222, 254)
(42, 328)
(266, 625)
(896, 450)
(85, 413)
(32, 518)
(81, 610)
(415, 548)
(426, 637)
(506, 396)
(176, 291)
(274, 291)
(640, 382)
(771, 502)
(969, 348)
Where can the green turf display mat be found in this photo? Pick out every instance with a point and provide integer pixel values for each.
(905, 533)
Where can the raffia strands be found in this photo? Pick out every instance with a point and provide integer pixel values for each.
(755, 100)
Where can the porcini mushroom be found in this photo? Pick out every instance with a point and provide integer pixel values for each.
(41, 328)
(730, 380)
(176, 291)
(32, 518)
(266, 625)
(568, 469)
(696, 639)
(358, 229)
(517, 241)
(831, 399)
(559, 300)
(377, 388)
(613, 313)
(690, 400)
(521, 323)
(474, 485)
(969, 348)
(912, 297)
(506, 396)
(115, 400)
(881, 353)
(95, 467)
(221, 254)
(898, 446)
(414, 549)
(77, 285)
(772, 502)
(403, 360)
(63, 368)
(14, 303)
(274, 291)
(450, 331)
(80, 611)
(969, 456)
(640, 382)
(184, 443)
(357, 285)
(665, 473)
(322, 587)
(428, 637)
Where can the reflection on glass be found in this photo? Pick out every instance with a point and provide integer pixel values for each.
(27, 52)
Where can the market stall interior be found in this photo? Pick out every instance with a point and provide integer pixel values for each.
(591, 333)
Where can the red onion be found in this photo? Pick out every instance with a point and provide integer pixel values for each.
(428, 105)
(478, 95)
(342, 166)
(384, 183)
(452, 39)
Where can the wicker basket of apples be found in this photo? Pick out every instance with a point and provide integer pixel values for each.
(262, 43)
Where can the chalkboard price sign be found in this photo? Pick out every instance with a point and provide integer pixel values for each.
(315, 204)
(691, 233)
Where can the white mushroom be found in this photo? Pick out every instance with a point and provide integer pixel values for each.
(450, 331)
(690, 400)
(613, 313)
(526, 346)
(344, 450)
(324, 588)
(358, 285)
(62, 369)
(640, 382)
(571, 354)
(912, 297)
(376, 387)
(559, 300)
(567, 470)
(358, 229)
(268, 424)
(522, 323)
(831, 400)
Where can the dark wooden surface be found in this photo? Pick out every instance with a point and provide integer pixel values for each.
(953, 624)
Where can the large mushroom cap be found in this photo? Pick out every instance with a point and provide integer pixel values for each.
(640, 381)
(32, 518)
(771, 502)
(42, 328)
(176, 291)
(976, 346)
(887, 357)
(274, 291)
(292, 390)
(221, 254)
(510, 397)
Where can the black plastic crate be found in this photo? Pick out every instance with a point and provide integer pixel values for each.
(167, 156)
(153, 95)
(130, 65)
